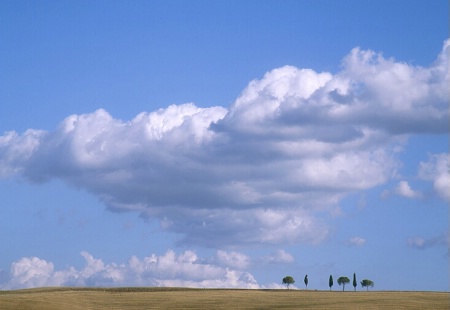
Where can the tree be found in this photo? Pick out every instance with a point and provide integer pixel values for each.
(306, 281)
(330, 282)
(288, 280)
(366, 283)
(343, 281)
(355, 284)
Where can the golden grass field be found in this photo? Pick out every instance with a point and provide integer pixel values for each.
(183, 298)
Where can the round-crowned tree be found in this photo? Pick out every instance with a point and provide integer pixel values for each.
(366, 283)
(343, 281)
(288, 280)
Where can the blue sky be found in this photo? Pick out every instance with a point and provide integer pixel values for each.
(224, 143)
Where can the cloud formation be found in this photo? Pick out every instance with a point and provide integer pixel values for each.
(403, 189)
(422, 243)
(171, 269)
(437, 170)
(278, 257)
(357, 241)
(265, 170)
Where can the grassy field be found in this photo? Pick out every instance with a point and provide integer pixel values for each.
(182, 298)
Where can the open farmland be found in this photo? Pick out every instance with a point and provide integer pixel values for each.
(182, 298)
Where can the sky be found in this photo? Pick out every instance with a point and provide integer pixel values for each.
(224, 143)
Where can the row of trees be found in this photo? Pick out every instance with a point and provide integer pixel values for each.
(288, 280)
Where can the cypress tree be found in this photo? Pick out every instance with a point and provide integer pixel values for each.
(355, 284)
(330, 282)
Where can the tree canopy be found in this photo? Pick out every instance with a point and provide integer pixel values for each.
(343, 281)
(288, 280)
(366, 283)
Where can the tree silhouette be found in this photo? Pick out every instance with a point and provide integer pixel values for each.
(330, 281)
(288, 280)
(355, 284)
(343, 281)
(366, 283)
(306, 281)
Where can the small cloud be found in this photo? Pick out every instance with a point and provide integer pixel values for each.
(417, 242)
(403, 189)
(357, 241)
(422, 243)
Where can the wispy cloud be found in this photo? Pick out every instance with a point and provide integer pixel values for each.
(278, 257)
(422, 243)
(264, 170)
(437, 170)
(357, 241)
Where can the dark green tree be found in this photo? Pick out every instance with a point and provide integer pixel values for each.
(330, 281)
(366, 283)
(355, 284)
(306, 281)
(343, 281)
(288, 280)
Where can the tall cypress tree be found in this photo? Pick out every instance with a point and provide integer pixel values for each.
(330, 282)
(354, 281)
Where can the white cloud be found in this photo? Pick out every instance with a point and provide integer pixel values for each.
(265, 170)
(15, 150)
(357, 241)
(280, 256)
(253, 226)
(437, 170)
(232, 259)
(403, 189)
(170, 269)
(422, 243)
(31, 272)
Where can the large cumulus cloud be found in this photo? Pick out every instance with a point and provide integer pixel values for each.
(267, 169)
